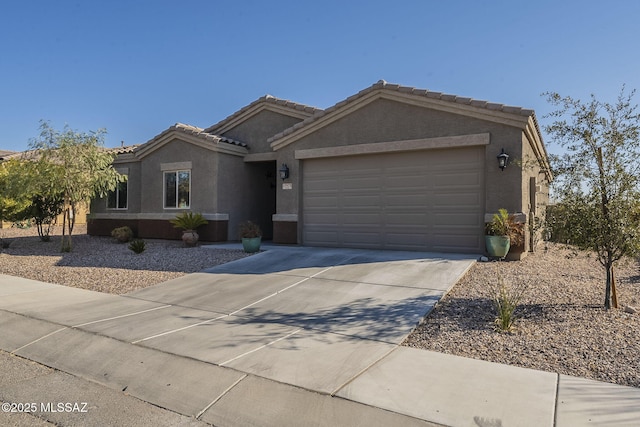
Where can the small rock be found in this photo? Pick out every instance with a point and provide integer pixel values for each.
(483, 259)
(629, 309)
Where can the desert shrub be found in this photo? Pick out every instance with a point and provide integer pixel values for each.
(249, 229)
(505, 301)
(138, 246)
(568, 223)
(122, 234)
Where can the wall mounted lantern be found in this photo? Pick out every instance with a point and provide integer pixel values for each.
(503, 160)
(284, 171)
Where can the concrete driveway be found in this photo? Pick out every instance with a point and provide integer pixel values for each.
(309, 318)
(288, 337)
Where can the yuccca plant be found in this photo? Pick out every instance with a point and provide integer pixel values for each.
(598, 176)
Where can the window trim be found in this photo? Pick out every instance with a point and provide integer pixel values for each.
(117, 193)
(164, 189)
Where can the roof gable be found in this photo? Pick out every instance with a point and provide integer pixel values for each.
(193, 135)
(521, 118)
(266, 102)
(513, 116)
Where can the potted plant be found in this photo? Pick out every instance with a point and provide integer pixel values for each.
(501, 233)
(189, 221)
(251, 236)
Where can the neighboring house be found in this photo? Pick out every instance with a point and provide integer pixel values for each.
(390, 167)
(5, 154)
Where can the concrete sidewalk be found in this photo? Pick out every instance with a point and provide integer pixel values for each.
(277, 339)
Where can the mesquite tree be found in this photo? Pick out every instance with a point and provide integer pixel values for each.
(598, 175)
(83, 169)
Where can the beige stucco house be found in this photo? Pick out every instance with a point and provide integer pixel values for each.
(390, 167)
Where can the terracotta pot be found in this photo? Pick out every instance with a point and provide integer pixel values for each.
(190, 238)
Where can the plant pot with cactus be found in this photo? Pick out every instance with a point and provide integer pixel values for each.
(251, 236)
(189, 222)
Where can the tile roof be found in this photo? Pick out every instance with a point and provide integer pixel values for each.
(194, 130)
(206, 139)
(124, 149)
(383, 85)
(5, 153)
(267, 99)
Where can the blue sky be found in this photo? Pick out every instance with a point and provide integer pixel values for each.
(137, 67)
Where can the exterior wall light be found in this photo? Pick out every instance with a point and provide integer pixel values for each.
(503, 160)
(284, 171)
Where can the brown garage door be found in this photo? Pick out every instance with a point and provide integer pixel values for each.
(429, 200)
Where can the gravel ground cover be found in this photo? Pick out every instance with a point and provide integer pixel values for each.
(563, 326)
(100, 263)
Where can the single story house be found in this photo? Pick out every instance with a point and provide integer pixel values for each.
(391, 167)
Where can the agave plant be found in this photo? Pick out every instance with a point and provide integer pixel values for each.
(188, 221)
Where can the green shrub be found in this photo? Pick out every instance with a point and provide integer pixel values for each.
(122, 234)
(188, 221)
(138, 246)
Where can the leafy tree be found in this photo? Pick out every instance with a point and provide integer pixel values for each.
(80, 167)
(44, 209)
(27, 192)
(598, 176)
(15, 199)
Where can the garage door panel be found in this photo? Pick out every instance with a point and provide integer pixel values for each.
(407, 196)
(421, 200)
(361, 238)
(322, 184)
(459, 200)
(359, 183)
(410, 219)
(362, 201)
(321, 220)
(453, 180)
(356, 219)
(441, 222)
(323, 238)
(322, 199)
(451, 242)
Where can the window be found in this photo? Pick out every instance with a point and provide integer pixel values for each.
(177, 189)
(117, 199)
